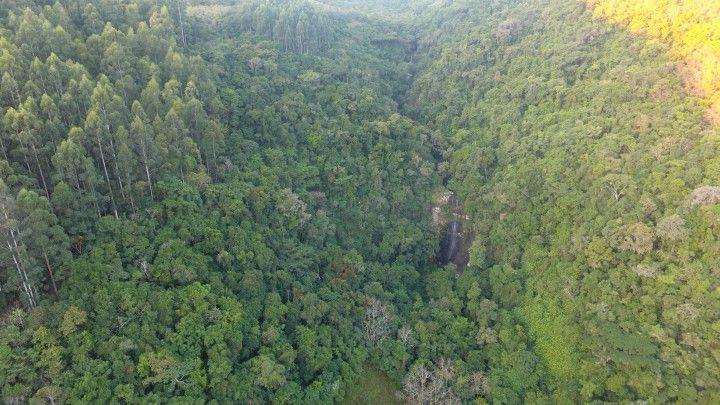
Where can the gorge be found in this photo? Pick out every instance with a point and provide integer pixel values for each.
(346, 201)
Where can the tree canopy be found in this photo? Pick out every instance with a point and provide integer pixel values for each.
(245, 202)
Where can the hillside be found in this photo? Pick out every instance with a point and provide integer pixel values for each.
(326, 201)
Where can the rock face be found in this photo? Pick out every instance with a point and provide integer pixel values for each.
(443, 210)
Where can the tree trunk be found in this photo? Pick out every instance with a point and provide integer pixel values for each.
(4, 151)
(147, 171)
(25, 158)
(214, 153)
(182, 26)
(23, 277)
(42, 175)
(102, 157)
(15, 253)
(107, 177)
(49, 269)
(117, 169)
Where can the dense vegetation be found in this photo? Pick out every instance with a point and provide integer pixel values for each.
(585, 172)
(690, 28)
(221, 202)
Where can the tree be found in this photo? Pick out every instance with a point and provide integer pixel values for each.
(125, 160)
(26, 129)
(21, 261)
(72, 318)
(637, 238)
(706, 195)
(92, 22)
(52, 123)
(376, 322)
(150, 101)
(75, 168)
(10, 90)
(161, 24)
(177, 263)
(268, 373)
(44, 237)
(103, 119)
(74, 215)
(182, 151)
(672, 228)
(163, 369)
(142, 140)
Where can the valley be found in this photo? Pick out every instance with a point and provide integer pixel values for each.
(340, 201)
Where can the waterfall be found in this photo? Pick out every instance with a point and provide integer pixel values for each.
(451, 241)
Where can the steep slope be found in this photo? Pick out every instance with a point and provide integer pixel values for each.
(236, 220)
(232, 202)
(583, 168)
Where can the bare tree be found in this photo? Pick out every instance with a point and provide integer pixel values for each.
(646, 270)
(618, 185)
(418, 386)
(49, 393)
(377, 321)
(407, 336)
(179, 8)
(444, 370)
(422, 386)
(479, 383)
(143, 265)
(11, 234)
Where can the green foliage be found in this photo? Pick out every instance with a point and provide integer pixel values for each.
(563, 158)
(373, 387)
(232, 202)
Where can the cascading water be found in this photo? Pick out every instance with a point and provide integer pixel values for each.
(453, 242)
(452, 239)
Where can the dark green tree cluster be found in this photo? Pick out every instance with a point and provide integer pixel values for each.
(206, 244)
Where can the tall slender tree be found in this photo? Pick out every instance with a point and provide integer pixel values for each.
(22, 263)
(44, 238)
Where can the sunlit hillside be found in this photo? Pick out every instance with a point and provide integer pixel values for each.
(690, 27)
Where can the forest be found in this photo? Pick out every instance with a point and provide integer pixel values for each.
(359, 202)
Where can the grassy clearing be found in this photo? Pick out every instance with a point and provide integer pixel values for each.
(373, 388)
